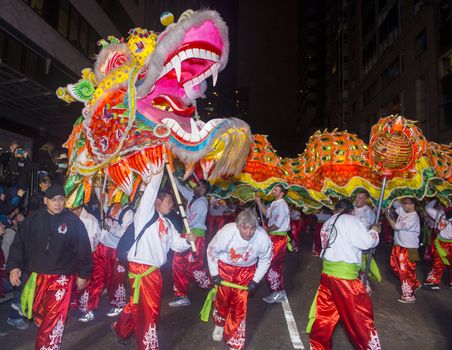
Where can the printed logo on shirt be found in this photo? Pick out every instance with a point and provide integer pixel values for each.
(236, 256)
(62, 228)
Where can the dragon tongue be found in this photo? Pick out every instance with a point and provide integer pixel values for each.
(176, 104)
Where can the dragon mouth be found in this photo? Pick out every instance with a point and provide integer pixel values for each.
(186, 55)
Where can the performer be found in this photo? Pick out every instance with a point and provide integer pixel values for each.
(188, 265)
(442, 253)
(52, 246)
(232, 256)
(91, 225)
(278, 226)
(405, 250)
(320, 218)
(362, 211)
(107, 270)
(341, 294)
(215, 217)
(296, 225)
(146, 256)
(366, 215)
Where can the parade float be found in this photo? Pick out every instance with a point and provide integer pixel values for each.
(139, 109)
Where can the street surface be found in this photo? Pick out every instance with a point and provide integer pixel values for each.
(427, 324)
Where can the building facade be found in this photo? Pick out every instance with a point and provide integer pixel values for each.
(392, 57)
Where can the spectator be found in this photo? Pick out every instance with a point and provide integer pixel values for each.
(15, 318)
(6, 156)
(19, 169)
(37, 199)
(45, 159)
(61, 169)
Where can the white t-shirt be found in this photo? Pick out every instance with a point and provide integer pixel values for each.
(228, 246)
(154, 244)
(196, 211)
(366, 215)
(347, 241)
(407, 228)
(439, 219)
(92, 227)
(110, 238)
(278, 214)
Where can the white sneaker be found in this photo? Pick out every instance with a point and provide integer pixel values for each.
(217, 334)
(180, 301)
(114, 311)
(87, 317)
(18, 308)
(275, 297)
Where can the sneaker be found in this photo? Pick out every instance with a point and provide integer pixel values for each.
(180, 301)
(87, 317)
(217, 334)
(430, 286)
(114, 311)
(275, 297)
(121, 341)
(406, 301)
(18, 308)
(19, 323)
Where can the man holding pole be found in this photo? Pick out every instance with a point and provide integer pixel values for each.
(233, 255)
(278, 215)
(189, 266)
(154, 236)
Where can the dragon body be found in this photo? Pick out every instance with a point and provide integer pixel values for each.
(140, 103)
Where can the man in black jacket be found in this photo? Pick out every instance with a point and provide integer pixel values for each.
(52, 246)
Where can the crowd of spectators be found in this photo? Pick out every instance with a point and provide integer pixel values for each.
(23, 182)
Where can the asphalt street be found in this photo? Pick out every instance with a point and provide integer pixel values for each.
(427, 324)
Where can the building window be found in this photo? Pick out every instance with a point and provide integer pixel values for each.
(64, 18)
(421, 100)
(420, 43)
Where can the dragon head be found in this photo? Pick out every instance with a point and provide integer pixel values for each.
(141, 98)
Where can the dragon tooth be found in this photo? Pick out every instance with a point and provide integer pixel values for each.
(189, 53)
(209, 55)
(177, 66)
(195, 138)
(215, 57)
(203, 53)
(196, 53)
(189, 91)
(214, 70)
(183, 56)
(194, 129)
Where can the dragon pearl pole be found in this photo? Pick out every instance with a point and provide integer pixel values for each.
(371, 251)
(179, 203)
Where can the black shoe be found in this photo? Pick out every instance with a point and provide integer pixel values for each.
(121, 341)
(430, 286)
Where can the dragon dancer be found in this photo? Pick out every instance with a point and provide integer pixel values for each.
(278, 225)
(190, 265)
(107, 270)
(233, 255)
(147, 254)
(341, 294)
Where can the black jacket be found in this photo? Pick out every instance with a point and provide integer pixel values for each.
(52, 245)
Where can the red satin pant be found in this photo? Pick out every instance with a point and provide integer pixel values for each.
(50, 307)
(274, 276)
(405, 270)
(344, 300)
(231, 304)
(438, 268)
(295, 230)
(142, 318)
(189, 266)
(107, 271)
